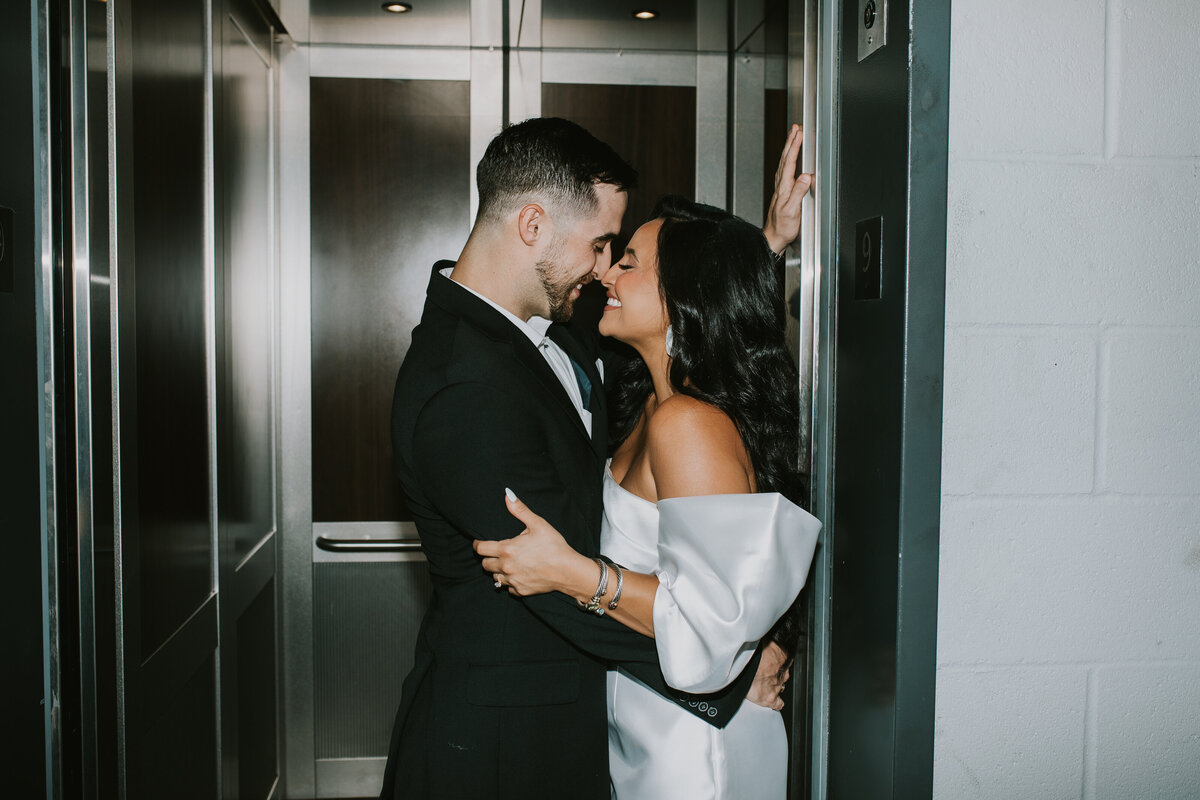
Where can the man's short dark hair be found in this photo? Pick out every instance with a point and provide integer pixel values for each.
(549, 160)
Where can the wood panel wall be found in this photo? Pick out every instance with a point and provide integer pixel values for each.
(390, 195)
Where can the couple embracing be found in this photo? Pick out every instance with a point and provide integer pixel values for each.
(612, 570)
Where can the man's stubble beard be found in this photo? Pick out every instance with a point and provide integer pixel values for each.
(558, 297)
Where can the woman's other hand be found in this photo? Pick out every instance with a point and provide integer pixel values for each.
(783, 217)
(536, 561)
(774, 670)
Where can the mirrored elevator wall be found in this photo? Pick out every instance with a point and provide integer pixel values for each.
(159, 241)
(382, 118)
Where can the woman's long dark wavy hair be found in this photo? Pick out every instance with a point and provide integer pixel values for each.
(721, 287)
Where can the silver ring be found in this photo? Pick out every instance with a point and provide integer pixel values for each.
(497, 584)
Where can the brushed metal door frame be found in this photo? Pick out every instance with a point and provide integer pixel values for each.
(880, 690)
(243, 578)
(812, 67)
(44, 254)
(295, 422)
(82, 183)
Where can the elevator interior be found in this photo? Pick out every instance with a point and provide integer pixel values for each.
(399, 108)
(237, 203)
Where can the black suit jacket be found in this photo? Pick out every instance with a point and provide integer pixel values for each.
(507, 696)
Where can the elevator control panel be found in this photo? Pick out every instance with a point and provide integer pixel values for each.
(872, 26)
(6, 249)
(868, 258)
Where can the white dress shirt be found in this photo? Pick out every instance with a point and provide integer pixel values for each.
(556, 357)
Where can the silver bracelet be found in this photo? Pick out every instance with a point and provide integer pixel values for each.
(616, 598)
(594, 605)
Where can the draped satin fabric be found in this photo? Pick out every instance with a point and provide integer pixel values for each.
(728, 567)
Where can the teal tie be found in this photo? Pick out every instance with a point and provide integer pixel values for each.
(585, 385)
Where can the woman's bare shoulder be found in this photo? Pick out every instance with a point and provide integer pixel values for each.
(681, 413)
(694, 448)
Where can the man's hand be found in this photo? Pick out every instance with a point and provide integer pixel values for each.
(774, 670)
(783, 217)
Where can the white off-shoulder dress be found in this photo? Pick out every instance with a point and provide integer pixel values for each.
(728, 568)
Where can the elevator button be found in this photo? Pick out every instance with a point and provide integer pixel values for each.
(872, 26)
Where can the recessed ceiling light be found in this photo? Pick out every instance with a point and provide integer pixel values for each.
(397, 8)
(646, 13)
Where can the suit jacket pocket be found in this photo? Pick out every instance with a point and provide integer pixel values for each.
(524, 683)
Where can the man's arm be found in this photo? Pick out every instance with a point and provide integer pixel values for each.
(508, 448)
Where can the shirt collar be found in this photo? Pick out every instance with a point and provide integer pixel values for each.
(535, 329)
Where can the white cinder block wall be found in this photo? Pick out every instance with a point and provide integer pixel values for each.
(1069, 597)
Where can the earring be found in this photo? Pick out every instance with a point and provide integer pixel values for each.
(670, 341)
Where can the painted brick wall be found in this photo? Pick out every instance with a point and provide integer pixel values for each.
(1069, 607)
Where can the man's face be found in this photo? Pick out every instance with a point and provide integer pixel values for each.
(580, 251)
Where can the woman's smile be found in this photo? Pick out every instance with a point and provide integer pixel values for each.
(632, 285)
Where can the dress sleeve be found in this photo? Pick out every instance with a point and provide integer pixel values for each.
(729, 567)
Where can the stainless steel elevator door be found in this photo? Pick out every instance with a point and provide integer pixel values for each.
(168, 600)
(22, 450)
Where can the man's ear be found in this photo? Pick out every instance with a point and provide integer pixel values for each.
(529, 223)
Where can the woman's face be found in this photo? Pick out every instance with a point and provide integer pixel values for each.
(635, 313)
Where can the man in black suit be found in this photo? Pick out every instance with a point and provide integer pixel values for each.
(507, 696)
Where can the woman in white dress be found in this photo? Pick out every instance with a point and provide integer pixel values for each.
(700, 503)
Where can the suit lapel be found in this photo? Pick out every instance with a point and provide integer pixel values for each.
(458, 301)
(529, 356)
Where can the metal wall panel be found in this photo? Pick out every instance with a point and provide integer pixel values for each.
(101, 401)
(257, 710)
(364, 629)
(924, 346)
(426, 63)
(245, 340)
(747, 133)
(168, 427)
(295, 424)
(167, 615)
(176, 757)
(246, 313)
(618, 67)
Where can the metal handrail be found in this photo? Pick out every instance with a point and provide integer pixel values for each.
(368, 545)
